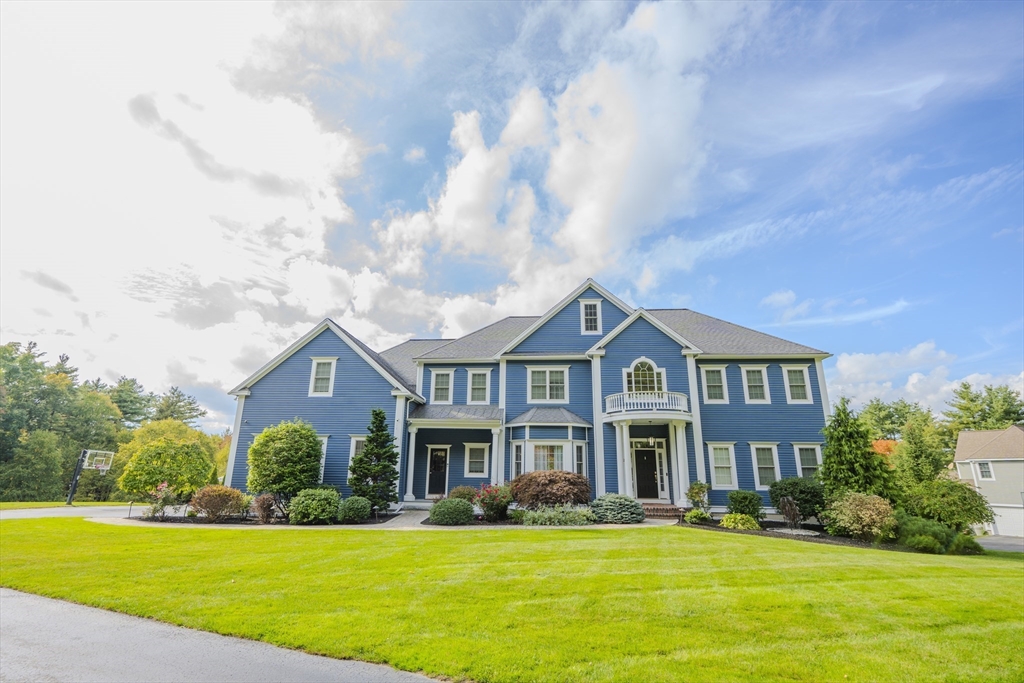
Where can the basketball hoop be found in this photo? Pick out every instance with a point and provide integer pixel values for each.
(98, 460)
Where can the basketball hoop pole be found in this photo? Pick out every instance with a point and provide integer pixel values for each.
(78, 473)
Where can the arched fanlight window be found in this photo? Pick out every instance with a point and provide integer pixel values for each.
(643, 377)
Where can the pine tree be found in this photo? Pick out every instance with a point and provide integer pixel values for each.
(374, 472)
(848, 463)
(919, 457)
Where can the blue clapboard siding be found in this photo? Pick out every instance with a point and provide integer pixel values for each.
(460, 381)
(579, 433)
(561, 334)
(778, 422)
(517, 433)
(549, 433)
(283, 395)
(456, 438)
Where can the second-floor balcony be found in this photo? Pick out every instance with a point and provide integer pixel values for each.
(647, 402)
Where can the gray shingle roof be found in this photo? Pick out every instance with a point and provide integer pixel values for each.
(549, 416)
(411, 386)
(401, 357)
(991, 444)
(485, 342)
(714, 336)
(436, 412)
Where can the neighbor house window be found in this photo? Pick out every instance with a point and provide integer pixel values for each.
(479, 387)
(590, 316)
(442, 386)
(766, 464)
(517, 460)
(476, 459)
(808, 459)
(715, 388)
(356, 446)
(985, 470)
(549, 385)
(547, 457)
(796, 384)
(645, 377)
(755, 384)
(581, 459)
(323, 456)
(321, 377)
(723, 466)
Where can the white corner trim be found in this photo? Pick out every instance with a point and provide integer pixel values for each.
(501, 384)
(323, 454)
(333, 360)
(699, 453)
(595, 376)
(434, 372)
(487, 461)
(746, 390)
(807, 384)
(753, 461)
(820, 371)
(469, 386)
(704, 384)
(240, 402)
(583, 317)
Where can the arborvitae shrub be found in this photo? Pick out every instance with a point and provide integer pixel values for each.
(550, 487)
(615, 508)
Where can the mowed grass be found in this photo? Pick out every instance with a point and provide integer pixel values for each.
(636, 604)
(24, 505)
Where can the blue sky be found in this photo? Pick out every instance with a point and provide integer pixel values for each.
(848, 176)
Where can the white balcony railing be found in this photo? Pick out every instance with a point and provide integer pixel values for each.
(647, 401)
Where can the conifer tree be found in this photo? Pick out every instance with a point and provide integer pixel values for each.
(848, 463)
(919, 457)
(374, 472)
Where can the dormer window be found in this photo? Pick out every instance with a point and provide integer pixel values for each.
(321, 377)
(590, 316)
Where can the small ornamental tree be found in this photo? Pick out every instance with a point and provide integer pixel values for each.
(184, 467)
(374, 472)
(848, 463)
(284, 460)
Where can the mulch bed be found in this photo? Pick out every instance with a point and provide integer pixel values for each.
(824, 538)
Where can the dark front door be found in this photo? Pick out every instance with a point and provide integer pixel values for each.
(646, 473)
(438, 472)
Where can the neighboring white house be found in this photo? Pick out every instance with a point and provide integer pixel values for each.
(994, 462)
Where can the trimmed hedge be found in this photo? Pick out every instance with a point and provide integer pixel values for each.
(314, 506)
(746, 503)
(466, 493)
(808, 494)
(559, 515)
(549, 488)
(615, 508)
(451, 512)
(353, 510)
(737, 520)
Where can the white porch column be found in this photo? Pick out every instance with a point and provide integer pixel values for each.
(698, 432)
(599, 462)
(684, 463)
(410, 467)
(494, 455)
(619, 462)
(627, 457)
(673, 455)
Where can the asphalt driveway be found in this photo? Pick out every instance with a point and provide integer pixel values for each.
(1011, 543)
(52, 640)
(137, 510)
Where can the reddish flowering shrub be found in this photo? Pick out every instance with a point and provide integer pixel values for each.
(494, 501)
(550, 487)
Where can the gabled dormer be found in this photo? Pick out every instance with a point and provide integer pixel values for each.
(572, 325)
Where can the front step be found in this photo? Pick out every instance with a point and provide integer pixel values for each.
(662, 510)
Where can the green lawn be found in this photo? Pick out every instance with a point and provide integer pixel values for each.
(637, 604)
(52, 504)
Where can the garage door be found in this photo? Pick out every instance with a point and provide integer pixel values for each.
(1009, 520)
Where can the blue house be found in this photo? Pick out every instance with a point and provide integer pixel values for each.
(641, 402)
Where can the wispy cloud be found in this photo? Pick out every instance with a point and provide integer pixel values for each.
(849, 318)
(415, 155)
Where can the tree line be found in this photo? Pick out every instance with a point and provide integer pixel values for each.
(48, 416)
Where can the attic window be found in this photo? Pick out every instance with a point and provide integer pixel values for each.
(590, 316)
(985, 470)
(321, 376)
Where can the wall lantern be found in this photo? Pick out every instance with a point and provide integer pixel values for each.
(650, 441)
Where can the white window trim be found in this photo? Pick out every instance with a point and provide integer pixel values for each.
(746, 392)
(725, 384)
(512, 458)
(575, 445)
(333, 360)
(433, 386)
(323, 455)
(487, 461)
(447, 448)
(807, 383)
(753, 461)
(546, 368)
(731, 486)
(352, 440)
(796, 455)
(991, 470)
(567, 452)
(660, 372)
(583, 321)
(469, 387)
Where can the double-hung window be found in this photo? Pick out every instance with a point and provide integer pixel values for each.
(479, 386)
(581, 459)
(723, 465)
(441, 386)
(548, 385)
(797, 388)
(547, 457)
(755, 384)
(321, 377)
(477, 460)
(517, 459)
(808, 459)
(766, 464)
(323, 456)
(715, 388)
(590, 316)
(985, 470)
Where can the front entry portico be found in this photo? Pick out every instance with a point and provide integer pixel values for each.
(650, 471)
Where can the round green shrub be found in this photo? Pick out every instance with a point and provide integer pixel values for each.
(953, 503)
(696, 517)
(747, 503)
(353, 510)
(313, 506)
(285, 459)
(615, 508)
(466, 493)
(808, 494)
(909, 526)
(923, 544)
(451, 512)
(965, 545)
(738, 520)
(865, 517)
